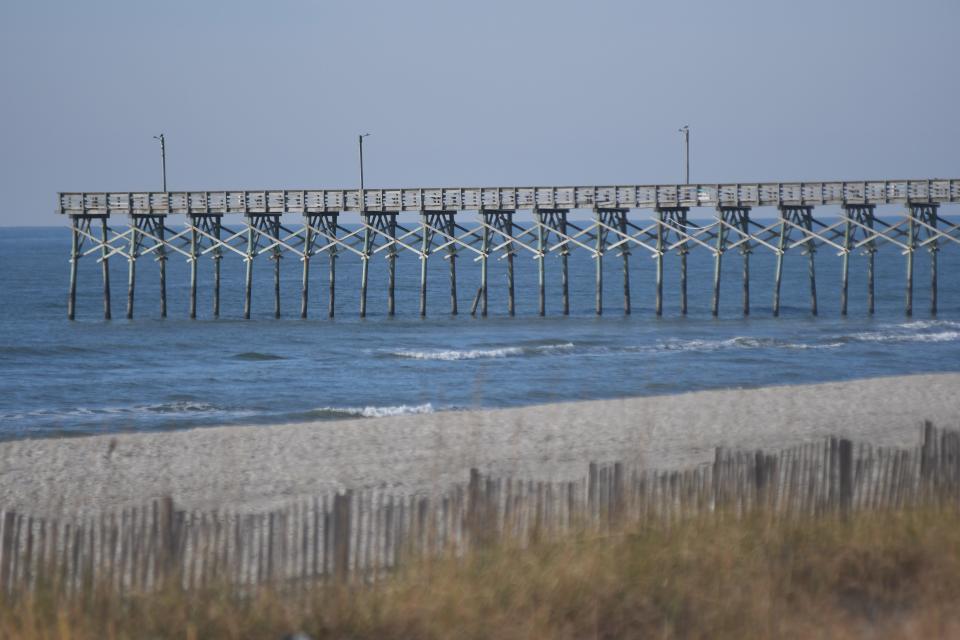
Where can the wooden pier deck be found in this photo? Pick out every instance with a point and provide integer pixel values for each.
(480, 222)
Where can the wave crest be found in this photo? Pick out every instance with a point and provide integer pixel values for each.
(372, 411)
(479, 354)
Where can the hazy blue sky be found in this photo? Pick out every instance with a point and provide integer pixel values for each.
(272, 94)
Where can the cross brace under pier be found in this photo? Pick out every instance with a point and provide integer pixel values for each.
(496, 232)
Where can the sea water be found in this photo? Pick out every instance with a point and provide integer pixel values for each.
(94, 376)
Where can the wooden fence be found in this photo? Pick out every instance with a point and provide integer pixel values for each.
(362, 535)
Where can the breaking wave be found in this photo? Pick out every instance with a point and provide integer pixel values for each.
(172, 409)
(331, 413)
(479, 354)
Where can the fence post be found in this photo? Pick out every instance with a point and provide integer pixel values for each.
(478, 534)
(169, 544)
(845, 450)
(341, 535)
(618, 501)
(6, 549)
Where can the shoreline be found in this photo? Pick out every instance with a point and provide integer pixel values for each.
(255, 468)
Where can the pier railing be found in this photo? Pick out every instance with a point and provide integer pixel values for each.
(481, 223)
(764, 194)
(364, 535)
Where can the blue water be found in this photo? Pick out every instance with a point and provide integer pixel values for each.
(91, 376)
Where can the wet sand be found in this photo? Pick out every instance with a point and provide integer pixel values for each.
(257, 467)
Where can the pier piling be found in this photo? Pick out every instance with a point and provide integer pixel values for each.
(105, 267)
(425, 241)
(162, 260)
(778, 270)
(364, 272)
(717, 265)
(133, 249)
(659, 256)
(600, 238)
(74, 259)
(541, 266)
(193, 268)
(845, 267)
(305, 278)
(217, 257)
(248, 280)
(391, 226)
(451, 229)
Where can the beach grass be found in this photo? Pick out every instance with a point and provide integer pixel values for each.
(871, 574)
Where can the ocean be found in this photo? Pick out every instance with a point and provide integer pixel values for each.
(150, 374)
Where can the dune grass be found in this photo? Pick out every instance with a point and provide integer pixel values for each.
(893, 574)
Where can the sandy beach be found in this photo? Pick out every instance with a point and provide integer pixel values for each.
(258, 467)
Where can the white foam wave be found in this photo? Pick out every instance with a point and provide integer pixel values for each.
(939, 336)
(454, 354)
(378, 412)
(478, 354)
(742, 342)
(143, 410)
(925, 324)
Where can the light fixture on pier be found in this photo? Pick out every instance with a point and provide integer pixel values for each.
(360, 142)
(163, 158)
(685, 130)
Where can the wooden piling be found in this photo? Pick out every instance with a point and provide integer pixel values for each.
(132, 266)
(660, 239)
(217, 257)
(718, 263)
(364, 270)
(744, 220)
(105, 267)
(391, 281)
(511, 304)
(392, 266)
(426, 238)
(332, 269)
(484, 248)
(599, 265)
(778, 273)
(305, 278)
(248, 284)
(541, 266)
(452, 257)
(276, 256)
(625, 253)
(193, 267)
(931, 220)
(160, 227)
(74, 259)
(845, 266)
(934, 249)
(626, 282)
(746, 281)
(565, 279)
(811, 252)
(911, 244)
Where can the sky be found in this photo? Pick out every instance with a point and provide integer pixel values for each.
(257, 95)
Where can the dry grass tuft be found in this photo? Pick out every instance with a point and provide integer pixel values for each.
(872, 575)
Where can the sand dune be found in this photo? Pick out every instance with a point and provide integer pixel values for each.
(254, 468)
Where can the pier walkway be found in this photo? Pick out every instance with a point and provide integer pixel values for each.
(479, 222)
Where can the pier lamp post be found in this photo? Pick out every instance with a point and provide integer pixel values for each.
(685, 130)
(360, 142)
(163, 158)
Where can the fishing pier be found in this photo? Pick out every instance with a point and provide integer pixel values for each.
(481, 223)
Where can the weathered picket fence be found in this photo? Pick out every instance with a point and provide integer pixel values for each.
(362, 535)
